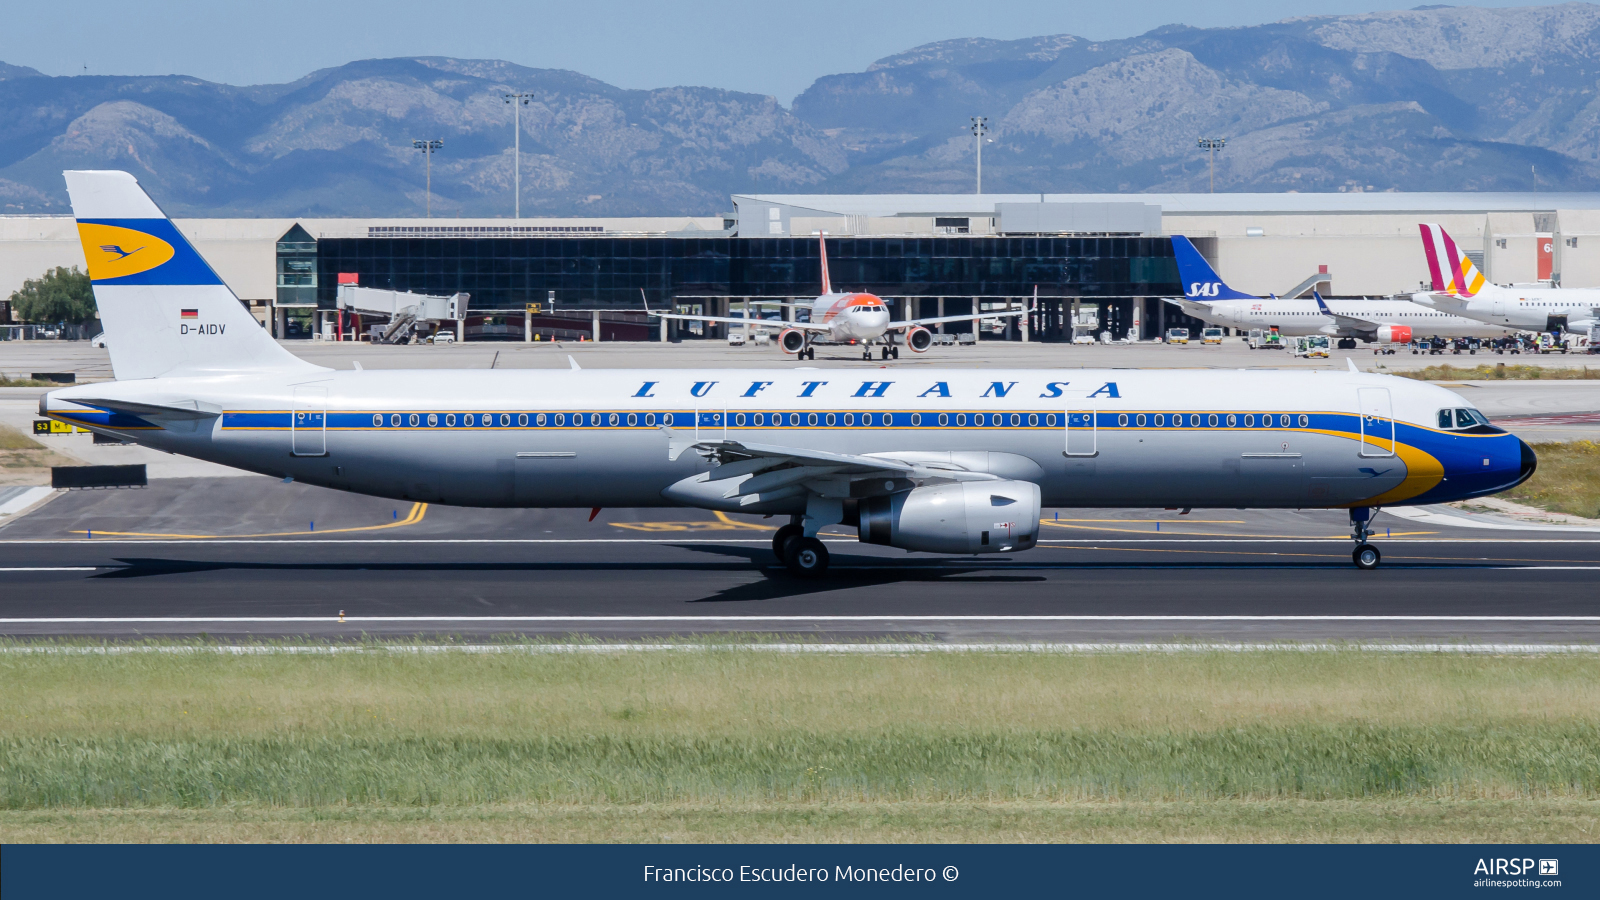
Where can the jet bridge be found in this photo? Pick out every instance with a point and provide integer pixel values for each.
(408, 314)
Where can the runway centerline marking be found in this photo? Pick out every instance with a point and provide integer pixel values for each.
(78, 542)
(70, 620)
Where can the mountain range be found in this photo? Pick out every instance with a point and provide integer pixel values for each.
(1435, 98)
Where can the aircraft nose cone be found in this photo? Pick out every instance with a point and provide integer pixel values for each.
(1530, 462)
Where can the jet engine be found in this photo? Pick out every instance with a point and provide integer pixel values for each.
(1394, 334)
(964, 517)
(919, 339)
(792, 340)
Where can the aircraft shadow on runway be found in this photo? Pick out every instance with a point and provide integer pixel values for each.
(772, 581)
(775, 582)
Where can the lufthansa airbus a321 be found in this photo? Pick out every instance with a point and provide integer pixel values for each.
(953, 461)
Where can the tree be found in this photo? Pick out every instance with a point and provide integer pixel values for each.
(60, 295)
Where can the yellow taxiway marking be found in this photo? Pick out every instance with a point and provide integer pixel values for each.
(1313, 537)
(720, 523)
(418, 510)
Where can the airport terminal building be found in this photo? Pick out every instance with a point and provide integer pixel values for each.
(1101, 260)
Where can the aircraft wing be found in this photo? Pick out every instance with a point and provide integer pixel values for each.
(912, 323)
(753, 323)
(1347, 325)
(764, 472)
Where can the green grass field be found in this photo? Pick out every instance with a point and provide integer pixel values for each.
(1568, 479)
(1499, 371)
(734, 744)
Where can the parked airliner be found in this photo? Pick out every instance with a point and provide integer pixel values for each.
(844, 317)
(1459, 288)
(953, 461)
(1208, 298)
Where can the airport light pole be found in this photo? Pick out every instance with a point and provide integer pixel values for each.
(428, 148)
(517, 101)
(1213, 146)
(980, 127)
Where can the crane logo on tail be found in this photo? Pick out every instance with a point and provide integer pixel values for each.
(103, 249)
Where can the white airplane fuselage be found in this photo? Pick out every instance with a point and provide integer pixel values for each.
(1301, 317)
(851, 317)
(1520, 308)
(585, 438)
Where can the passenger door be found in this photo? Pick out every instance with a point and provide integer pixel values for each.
(1082, 433)
(308, 427)
(1377, 422)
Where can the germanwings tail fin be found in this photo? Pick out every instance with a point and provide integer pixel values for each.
(1200, 281)
(164, 309)
(822, 244)
(1452, 271)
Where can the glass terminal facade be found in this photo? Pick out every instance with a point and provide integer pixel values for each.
(608, 273)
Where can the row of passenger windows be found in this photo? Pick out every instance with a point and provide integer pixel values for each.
(760, 420)
(1210, 420)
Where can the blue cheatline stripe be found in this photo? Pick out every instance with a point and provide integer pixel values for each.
(1184, 421)
(185, 267)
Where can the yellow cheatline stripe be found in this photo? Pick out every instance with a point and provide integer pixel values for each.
(721, 523)
(418, 510)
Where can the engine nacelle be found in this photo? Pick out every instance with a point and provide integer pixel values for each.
(965, 517)
(919, 339)
(1394, 334)
(792, 340)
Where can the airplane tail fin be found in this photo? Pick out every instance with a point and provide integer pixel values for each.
(1452, 270)
(164, 309)
(1201, 282)
(1322, 305)
(822, 244)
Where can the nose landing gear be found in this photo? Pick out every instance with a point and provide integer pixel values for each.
(1365, 556)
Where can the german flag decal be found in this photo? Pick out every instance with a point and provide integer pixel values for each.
(189, 314)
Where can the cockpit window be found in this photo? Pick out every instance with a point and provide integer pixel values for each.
(1467, 420)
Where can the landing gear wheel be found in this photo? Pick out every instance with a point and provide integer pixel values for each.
(805, 556)
(867, 354)
(895, 352)
(782, 537)
(886, 353)
(1366, 556)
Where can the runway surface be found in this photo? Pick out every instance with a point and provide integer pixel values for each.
(238, 557)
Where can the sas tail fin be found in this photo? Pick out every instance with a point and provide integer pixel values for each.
(1452, 271)
(164, 309)
(1200, 281)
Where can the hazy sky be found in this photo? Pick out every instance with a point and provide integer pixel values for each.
(747, 45)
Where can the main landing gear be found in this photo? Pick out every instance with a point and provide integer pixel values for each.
(888, 353)
(801, 555)
(1365, 556)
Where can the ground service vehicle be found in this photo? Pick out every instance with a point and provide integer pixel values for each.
(1177, 335)
(1211, 336)
(1314, 346)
